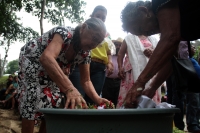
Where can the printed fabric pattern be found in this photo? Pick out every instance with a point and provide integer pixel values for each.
(36, 89)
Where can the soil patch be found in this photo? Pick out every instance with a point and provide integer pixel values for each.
(10, 122)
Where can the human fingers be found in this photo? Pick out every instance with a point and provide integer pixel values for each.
(103, 100)
(131, 99)
(110, 71)
(73, 103)
(108, 103)
(131, 102)
(84, 104)
(78, 103)
(122, 75)
(127, 101)
(67, 103)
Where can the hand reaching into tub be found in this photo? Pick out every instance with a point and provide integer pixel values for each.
(102, 102)
(131, 99)
(75, 100)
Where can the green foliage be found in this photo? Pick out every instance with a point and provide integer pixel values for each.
(3, 81)
(10, 29)
(12, 67)
(196, 55)
(57, 10)
(197, 45)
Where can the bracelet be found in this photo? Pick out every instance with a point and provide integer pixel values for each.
(69, 90)
(139, 89)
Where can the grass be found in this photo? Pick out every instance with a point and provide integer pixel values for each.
(176, 130)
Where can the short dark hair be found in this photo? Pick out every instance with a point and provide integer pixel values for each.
(10, 76)
(129, 13)
(99, 7)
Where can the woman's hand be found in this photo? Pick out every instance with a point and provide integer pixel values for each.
(109, 68)
(100, 100)
(121, 73)
(75, 100)
(148, 52)
(131, 99)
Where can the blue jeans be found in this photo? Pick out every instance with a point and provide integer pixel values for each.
(76, 80)
(97, 76)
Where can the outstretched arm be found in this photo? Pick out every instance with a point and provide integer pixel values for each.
(88, 86)
(169, 24)
(120, 58)
(48, 61)
(158, 80)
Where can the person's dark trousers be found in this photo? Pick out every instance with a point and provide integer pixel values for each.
(97, 76)
(169, 89)
(111, 89)
(176, 98)
(193, 110)
(2, 94)
(76, 80)
(179, 100)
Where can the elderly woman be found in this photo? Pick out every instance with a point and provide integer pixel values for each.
(175, 20)
(42, 61)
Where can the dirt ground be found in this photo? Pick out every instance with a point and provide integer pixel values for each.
(10, 122)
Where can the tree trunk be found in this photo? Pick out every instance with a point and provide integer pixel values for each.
(43, 2)
(4, 60)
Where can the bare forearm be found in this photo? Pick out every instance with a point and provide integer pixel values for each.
(90, 90)
(110, 58)
(120, 61)
(169, 25)
(55, 73)
(162, 54)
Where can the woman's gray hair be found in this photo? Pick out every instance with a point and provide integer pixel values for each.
(93, 24)
(129, 13)
(96, 24)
